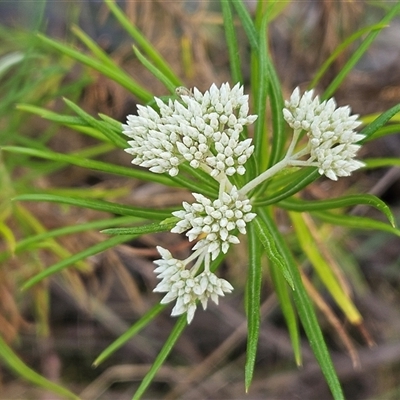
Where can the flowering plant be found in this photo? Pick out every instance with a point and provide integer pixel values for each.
(240, 171)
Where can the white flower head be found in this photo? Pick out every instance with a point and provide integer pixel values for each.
(331, 132)
(185, 287)
(199, 128)
(214, 222)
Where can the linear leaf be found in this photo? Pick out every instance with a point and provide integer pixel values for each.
(114, 137)
(128, 334)
(155, 71)
(370, 129)
(288, 311)
(247, 23)
(99, 205)
(116, 74)
(147, 47)
(345, 201)
(92, 164)
(23, 371)
(253, 298)
(305, 309)
(273, 254)
(339, 50)
(162, 355)
(323, 269)
(260, 137)
(31, 241)
(140, 230)
(303, 179)
(59, 266)
(231, 41)
(381, 162)
(352, 221)
(356, 56)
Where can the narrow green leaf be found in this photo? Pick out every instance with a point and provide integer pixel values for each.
(31, 241)
(304, 178)
(305, 309)
(253, 298)
(116, 74)
(288, 311)
(144, 44)
(114, 137)
(278, 122)
(92, 164)
(339, 50)
(247, 23)
(141, 230)
(268, 242)
(99, 205)
(155, 71)
(345, 201)
(381, 162)
(352, 221)
(162, 355)
(59, 266)
(127, 335)
(231, 41)
(15, 364)
(260, 137)
(384, 131)
(323, 269)
(356, 56)
(369, 130)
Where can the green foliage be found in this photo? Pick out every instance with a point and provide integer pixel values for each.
(277, 194)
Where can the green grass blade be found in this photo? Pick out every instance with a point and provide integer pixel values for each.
(114, 73)
(92, 164)
(36, 240)
(381, 162)
(247, 23)
(303, 178)
(162, 355)
(231, 41)
(305, 309)
(323, 269)
(126, 336)
(260, 137)
(369, 130)
(288, 311)
(116, 137)
(141, 230)
(336, 53)
(345, 201)
(253, 298)
(155, 71)
(273, 254)
(15, 364)
(385, 131)
(278, 122)
(59, 266)
(99, 205)
(330, 90)
(144, 44)
(352, 221)
(97, 51)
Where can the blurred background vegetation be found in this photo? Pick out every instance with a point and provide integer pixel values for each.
(59, 327)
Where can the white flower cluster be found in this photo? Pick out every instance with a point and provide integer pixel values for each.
(331, 131)
(185, 287)
(202, 129)
(214, 222)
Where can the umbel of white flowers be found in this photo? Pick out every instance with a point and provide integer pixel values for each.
(204, 130)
